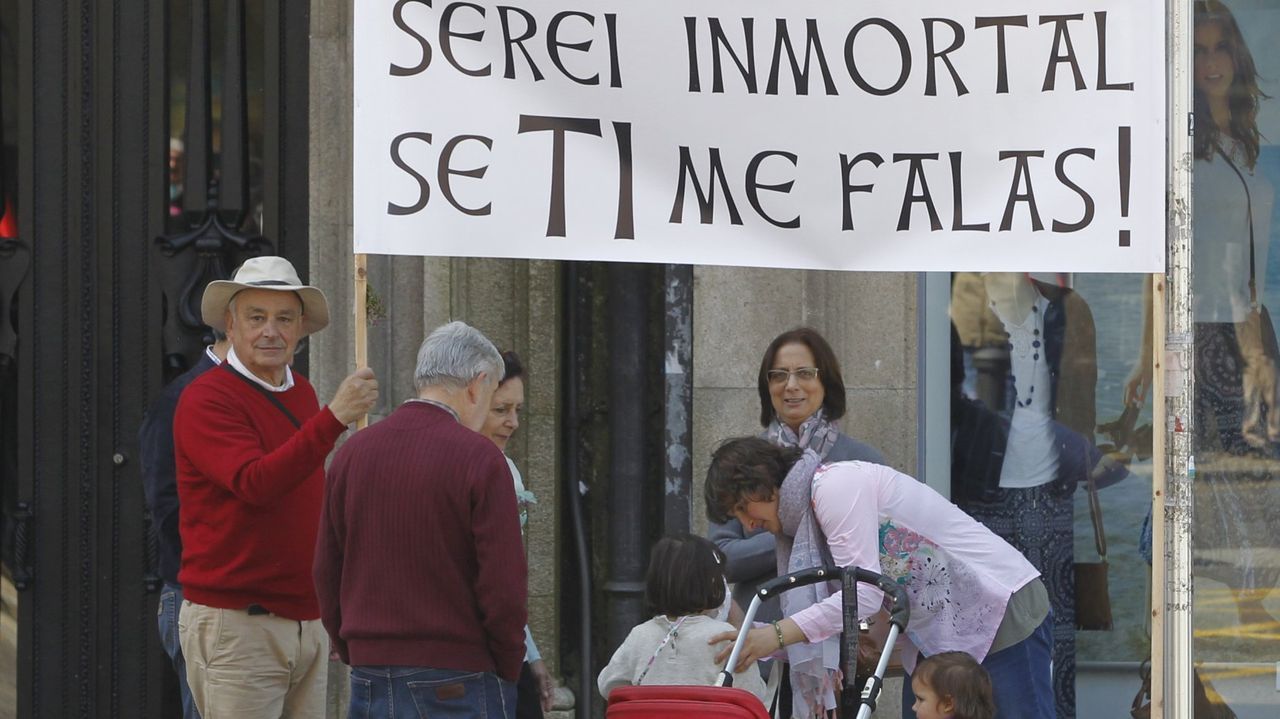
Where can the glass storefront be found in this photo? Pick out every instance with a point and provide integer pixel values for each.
(1236, 276)
(1049, 391)
(1041, 365)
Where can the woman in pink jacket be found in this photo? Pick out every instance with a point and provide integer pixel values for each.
(968, 589)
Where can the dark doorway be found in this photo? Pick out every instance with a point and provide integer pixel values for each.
(97, 273)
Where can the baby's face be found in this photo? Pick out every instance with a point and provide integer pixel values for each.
(928, 705)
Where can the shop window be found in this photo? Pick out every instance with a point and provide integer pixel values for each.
(1236, 277)
(1044, 403)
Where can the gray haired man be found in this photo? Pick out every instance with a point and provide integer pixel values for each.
(419, 566)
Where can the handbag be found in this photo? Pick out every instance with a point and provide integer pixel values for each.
(1203, 705)
(1093, 596)
(1259, 352)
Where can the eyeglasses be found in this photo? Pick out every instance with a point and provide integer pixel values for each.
(802, 374)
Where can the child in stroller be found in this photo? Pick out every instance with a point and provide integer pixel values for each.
(686, 590)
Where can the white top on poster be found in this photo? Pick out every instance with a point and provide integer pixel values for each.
(878, 135)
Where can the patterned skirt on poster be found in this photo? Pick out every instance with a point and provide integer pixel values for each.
(1236, 493)
(1038, 522)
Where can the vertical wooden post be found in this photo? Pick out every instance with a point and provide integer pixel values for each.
(1159, 446)
(360, 306)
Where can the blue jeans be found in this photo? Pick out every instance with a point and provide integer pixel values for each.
(1021, 678)
(398, 692)
(167, 618)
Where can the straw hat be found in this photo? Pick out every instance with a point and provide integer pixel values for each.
(264, 273)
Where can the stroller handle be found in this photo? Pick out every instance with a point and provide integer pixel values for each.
(812, 575)
(899, 611)
(766, 591)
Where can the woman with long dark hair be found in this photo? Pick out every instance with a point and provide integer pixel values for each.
(1237, 412)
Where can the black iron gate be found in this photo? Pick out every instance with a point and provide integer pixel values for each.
(96, 287)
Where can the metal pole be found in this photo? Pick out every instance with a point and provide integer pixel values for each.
(233, 183)
(1179, 404)
(573, 369)
(678, 377)
(628, 475)
(198, 135)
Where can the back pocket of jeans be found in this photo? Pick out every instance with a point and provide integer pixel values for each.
(361, 697)
(460, 696)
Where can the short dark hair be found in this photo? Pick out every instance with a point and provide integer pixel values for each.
(833, 400)
(960, 678)
(686, 576)
(511, 366)
(747, 468)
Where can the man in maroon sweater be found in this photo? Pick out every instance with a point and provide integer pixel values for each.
(250, 440)
(419, 565)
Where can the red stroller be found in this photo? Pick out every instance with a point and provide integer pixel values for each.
(694, 702)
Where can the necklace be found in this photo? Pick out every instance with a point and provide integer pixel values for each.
(1024, 341)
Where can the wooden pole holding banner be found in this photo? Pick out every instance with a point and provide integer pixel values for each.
(361, 307)
(1159, 445)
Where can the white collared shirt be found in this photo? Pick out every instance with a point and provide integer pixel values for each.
(235, 362)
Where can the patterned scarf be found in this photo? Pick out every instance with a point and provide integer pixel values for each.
(816, 433)
(801, 546)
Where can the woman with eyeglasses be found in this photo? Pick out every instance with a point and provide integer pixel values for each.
(802, 397)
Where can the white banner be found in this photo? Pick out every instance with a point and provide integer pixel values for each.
(875, 135)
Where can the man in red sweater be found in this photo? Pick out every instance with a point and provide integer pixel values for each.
(250, 440)
(419, 565)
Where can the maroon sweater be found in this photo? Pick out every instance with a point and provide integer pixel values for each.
(419, 560)
(250, 484)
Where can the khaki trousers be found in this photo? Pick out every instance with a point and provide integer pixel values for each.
(260, 666)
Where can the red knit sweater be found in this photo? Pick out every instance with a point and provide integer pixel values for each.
(250, 488)
(419, 560)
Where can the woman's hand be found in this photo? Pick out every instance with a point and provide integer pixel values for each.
(1139, 382)
(546, 685)
(1260, 384)
(761, 642)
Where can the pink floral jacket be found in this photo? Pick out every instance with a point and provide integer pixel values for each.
(958, 574)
